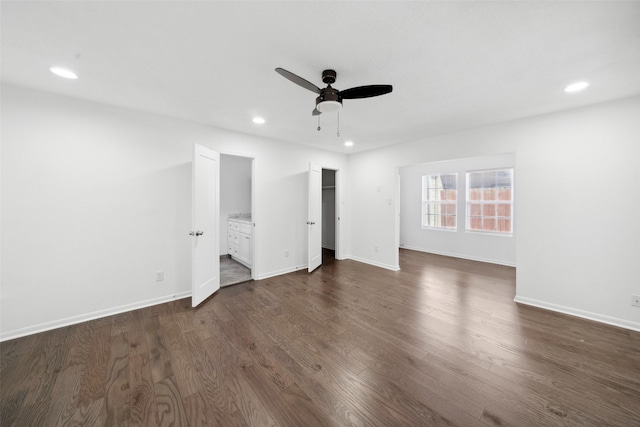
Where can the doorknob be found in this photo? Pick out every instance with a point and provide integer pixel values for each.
(310, 222)
(199, 233)
(191, 233)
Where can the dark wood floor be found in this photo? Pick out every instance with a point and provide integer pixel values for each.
(440, 342)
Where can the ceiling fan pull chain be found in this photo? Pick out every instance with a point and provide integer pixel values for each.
(338, 133)
(318, 123)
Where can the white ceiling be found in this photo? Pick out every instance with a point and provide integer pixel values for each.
(453, 65)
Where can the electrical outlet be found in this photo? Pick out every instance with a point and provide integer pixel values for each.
(159, 276)
(375, 248)
(286, 253)
(635, 300)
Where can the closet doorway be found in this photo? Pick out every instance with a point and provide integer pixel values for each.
(236, 219)
(329, 213)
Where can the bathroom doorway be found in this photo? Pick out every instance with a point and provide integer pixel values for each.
(236, 219)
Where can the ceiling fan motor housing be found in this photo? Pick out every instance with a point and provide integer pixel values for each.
(329, 76)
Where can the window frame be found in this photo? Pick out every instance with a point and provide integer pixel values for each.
(446, 202)
(495, 202)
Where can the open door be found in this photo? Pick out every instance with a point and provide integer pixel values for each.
(205, 252)
(314, 223)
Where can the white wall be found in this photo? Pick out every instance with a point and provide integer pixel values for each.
(495, 248)
(96, 199)
(577, 192)
(235, 191)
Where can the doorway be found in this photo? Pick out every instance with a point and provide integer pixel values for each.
(329, 216)
(236, 219)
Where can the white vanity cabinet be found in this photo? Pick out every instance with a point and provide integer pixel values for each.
(239, 234)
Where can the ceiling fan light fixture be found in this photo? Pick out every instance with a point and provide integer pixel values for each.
(329, 106)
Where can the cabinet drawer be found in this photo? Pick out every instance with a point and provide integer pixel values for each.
(245, 228)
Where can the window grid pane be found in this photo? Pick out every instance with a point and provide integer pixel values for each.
(439, 201)
(490, 201)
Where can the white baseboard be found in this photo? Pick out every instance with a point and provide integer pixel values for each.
(375, 263)
(280, 272)
(47, 326)
(614, 321)
(471, 258)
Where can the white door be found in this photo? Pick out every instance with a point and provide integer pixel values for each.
(314, 223)
(205, 252)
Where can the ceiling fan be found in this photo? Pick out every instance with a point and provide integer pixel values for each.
(330, 99)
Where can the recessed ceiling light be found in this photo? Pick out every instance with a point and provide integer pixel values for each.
(575, 87)
(63, 72)
(258, 120)
(348, 143)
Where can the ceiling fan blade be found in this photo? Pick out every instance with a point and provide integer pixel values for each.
(365, 91)
(298, 80)
(316, 112)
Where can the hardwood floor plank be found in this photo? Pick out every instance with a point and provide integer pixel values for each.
(117, 402)
(405, 403)
(66, 392)
(234, 420)
(212, 378)
(253, 343)
(169, 405)
(159, 358)
(136, 336)
(439, 342)
(361, 400)
(94, 378)
(278, 402)
(250, 406)
(181, 363)
(199, 412)
(10, 407)
(142, 392)
(303, 374)
(47, 367)
(32, 415)
(89, 415)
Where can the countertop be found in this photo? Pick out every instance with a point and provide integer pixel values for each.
(240, 217)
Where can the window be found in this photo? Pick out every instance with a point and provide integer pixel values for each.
(439, 201)
(490, 201)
